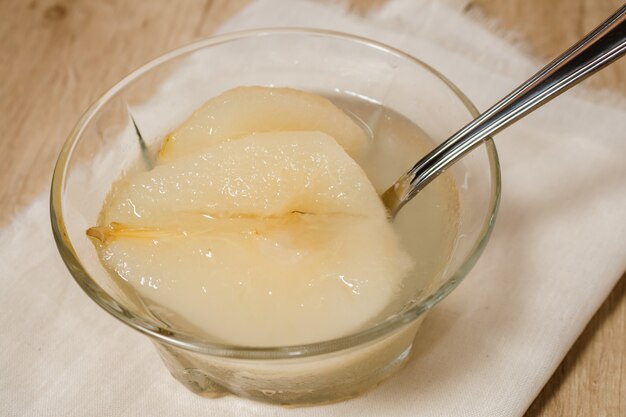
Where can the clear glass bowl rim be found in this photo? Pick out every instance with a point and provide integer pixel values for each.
(187, 341)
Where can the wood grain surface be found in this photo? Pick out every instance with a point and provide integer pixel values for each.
(57, 56)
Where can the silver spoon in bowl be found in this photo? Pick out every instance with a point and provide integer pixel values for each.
(602, 46)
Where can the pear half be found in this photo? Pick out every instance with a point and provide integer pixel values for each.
(245, 110)
(272, 239)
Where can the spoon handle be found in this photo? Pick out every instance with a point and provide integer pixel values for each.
(599, 48)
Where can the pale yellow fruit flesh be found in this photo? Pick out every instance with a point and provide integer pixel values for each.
(272, 239)
(245, 110)
(262, 175)
(266, 283)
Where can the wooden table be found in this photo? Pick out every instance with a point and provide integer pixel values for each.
(57, 56)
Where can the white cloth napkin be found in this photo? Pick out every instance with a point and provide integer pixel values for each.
(487, 350)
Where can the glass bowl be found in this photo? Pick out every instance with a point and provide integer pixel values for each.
(162, 93)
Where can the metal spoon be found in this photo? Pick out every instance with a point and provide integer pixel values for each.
(599, 48)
